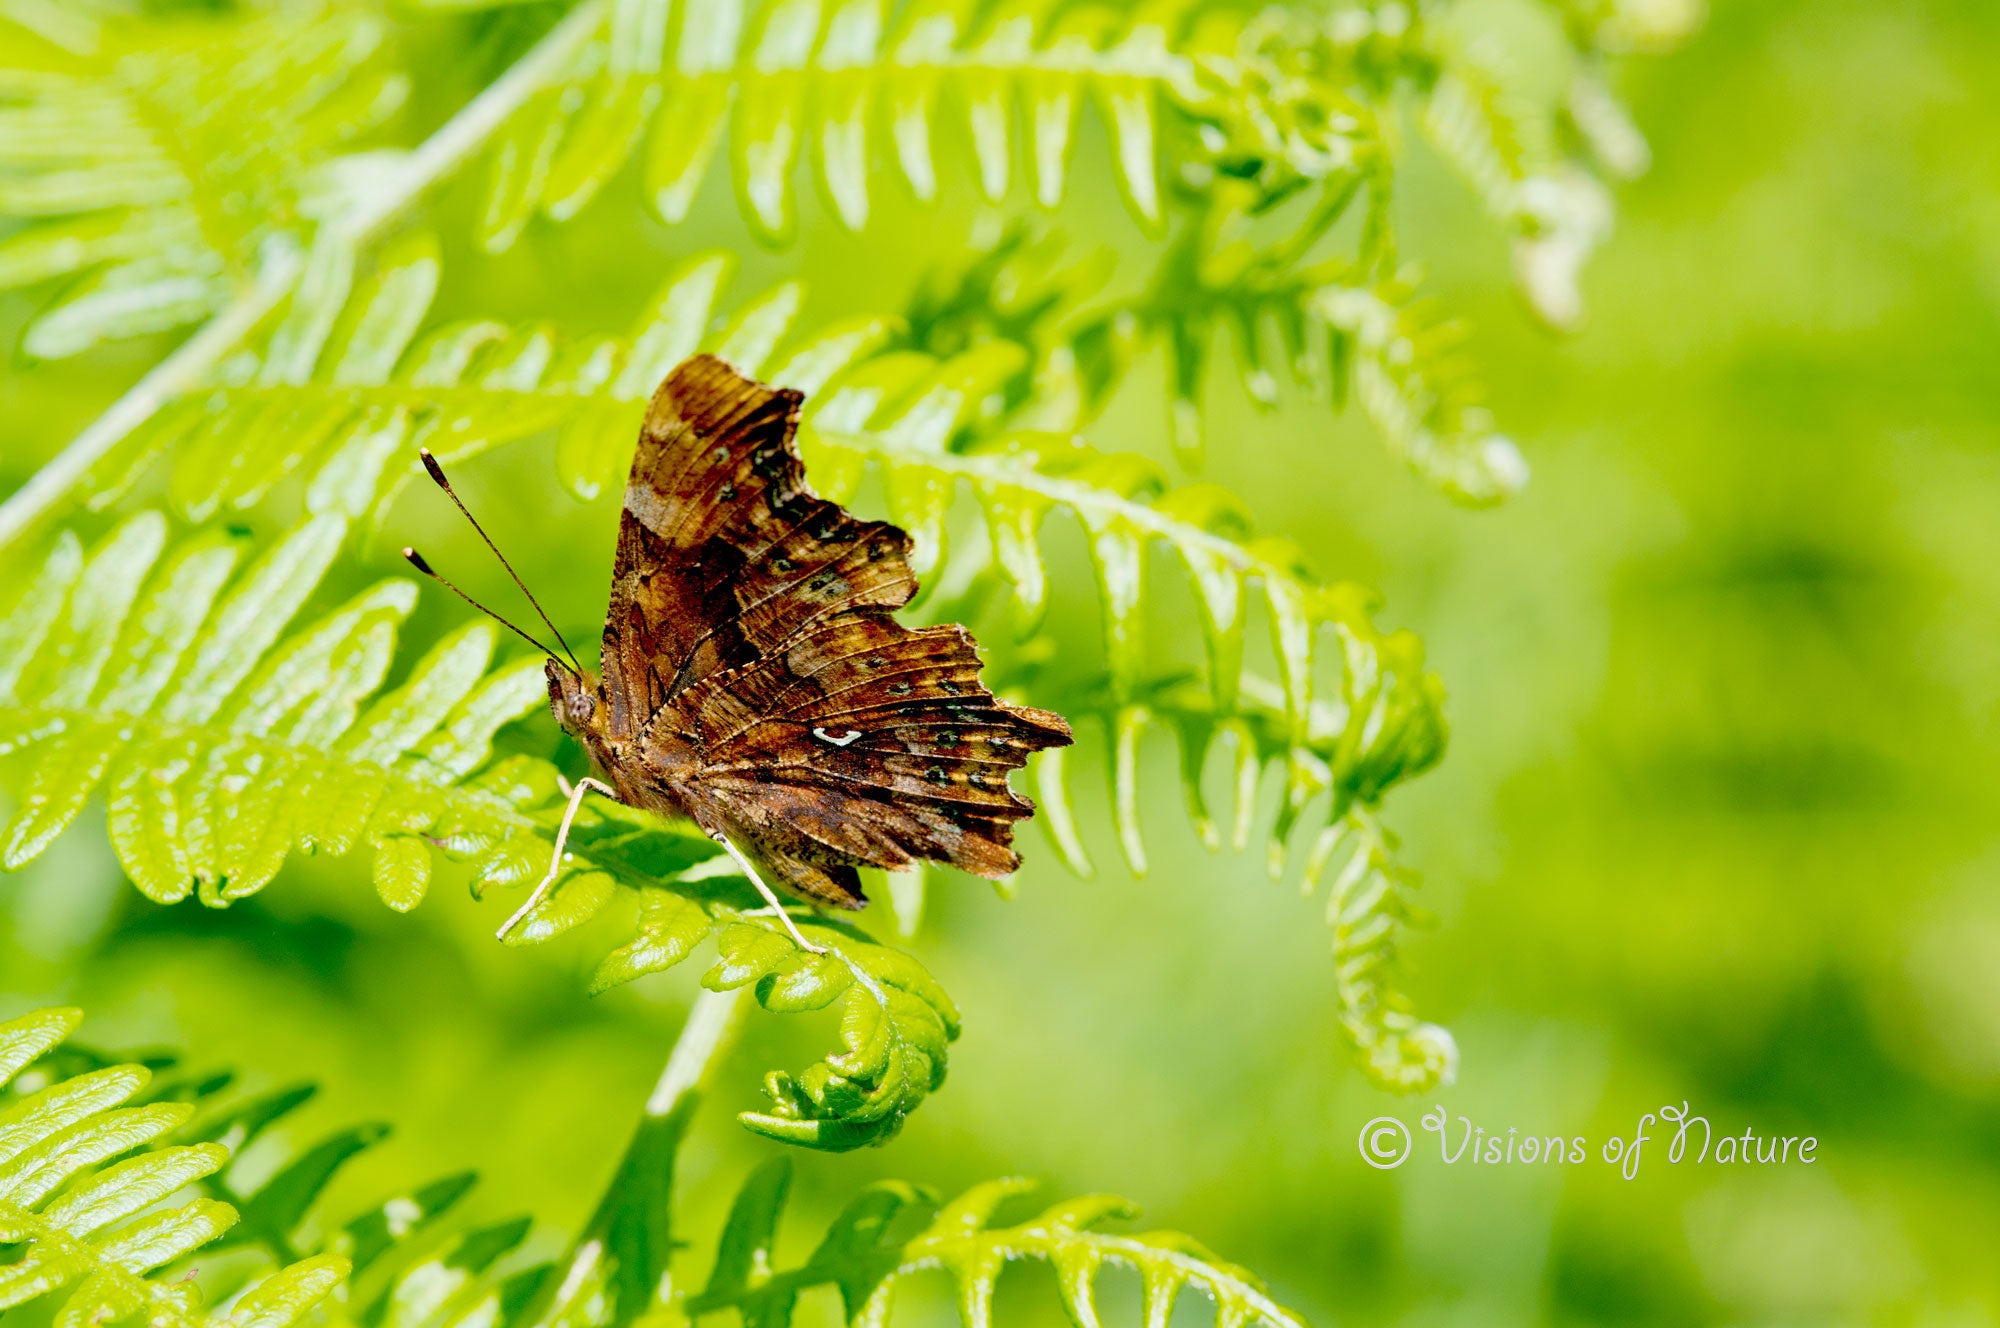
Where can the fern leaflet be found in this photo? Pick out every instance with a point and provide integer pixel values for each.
(417, 1263)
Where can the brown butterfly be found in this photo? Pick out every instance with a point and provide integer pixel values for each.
(755, 679)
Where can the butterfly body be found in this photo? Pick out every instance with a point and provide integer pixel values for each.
(755, 680)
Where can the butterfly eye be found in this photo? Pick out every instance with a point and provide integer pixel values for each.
(582, 705)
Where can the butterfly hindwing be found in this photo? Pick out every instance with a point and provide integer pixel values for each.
(905, 754)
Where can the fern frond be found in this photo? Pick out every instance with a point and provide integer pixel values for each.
(1335, 329)
(347, 403)
(222, 740)
(156, 159)
(1386, 726)
(1177, 86)
(1367, 903)
(1505, 148)
(86, 1184)
(866, 1256)
(416, 1263)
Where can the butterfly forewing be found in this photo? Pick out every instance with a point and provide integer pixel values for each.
(750, 627)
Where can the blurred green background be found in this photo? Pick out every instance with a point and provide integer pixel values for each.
(1718, 822)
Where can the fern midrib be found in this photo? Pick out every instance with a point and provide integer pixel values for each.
(1040, 1242)
(1086, 500)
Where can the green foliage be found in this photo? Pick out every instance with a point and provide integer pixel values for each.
(1338, 329)
(157, 160)
(415, 1263)
(86, 1189)
(1178, 88)
(927, 423)
(895, 1020)
(183, 164)
(867, 1253)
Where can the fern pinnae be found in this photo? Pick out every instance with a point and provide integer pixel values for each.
(225, 739)
(923, 421)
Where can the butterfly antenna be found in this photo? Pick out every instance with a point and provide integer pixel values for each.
(417, 561)
(437, 477)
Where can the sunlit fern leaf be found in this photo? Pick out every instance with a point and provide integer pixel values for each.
(154, 158)
(349, 408)
(1560, 212)
(222, 739)
(417, 1263)
(408, 1269)
(1176, 86)
(1367, 902)
(871, 1250)
(930, 425)
(899, 412)
(1385, 726)
(87, 1222)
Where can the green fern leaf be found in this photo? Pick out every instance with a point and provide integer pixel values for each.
(1385, 727)
(927, 423)
(1330, 328)
(85, 1185)
(866, 1260)
(155, 160)
(417, 1264)
(223, 742)
(1175, 86)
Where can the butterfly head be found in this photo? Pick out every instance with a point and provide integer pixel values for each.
(574, 698)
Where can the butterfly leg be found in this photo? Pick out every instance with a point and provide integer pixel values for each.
(576, 792)
(757, 879)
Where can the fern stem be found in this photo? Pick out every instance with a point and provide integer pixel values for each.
(432, 160)
(711, 1027)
